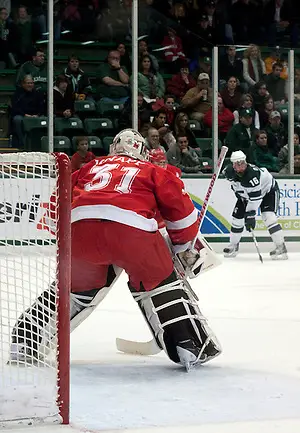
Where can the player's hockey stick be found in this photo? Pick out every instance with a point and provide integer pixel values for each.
(215, 176)
(256, 245)
(147, 348)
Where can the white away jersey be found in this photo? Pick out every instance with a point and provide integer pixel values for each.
(252, 186)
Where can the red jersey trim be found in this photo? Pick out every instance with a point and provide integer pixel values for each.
(114, 213)
(184, 222)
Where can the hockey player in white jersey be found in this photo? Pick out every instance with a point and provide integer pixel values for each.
(254, 188)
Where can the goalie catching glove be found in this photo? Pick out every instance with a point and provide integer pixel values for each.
(194, 257)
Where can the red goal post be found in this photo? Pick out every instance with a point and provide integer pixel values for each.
(35, 253)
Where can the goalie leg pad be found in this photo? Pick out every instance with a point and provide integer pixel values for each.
(173, 315)
(35, 330)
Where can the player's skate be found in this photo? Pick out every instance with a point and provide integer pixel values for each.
(231, 250)
(280, 253)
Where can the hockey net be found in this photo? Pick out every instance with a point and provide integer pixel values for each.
(34, 254)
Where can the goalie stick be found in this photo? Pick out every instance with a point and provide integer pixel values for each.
(148, 348)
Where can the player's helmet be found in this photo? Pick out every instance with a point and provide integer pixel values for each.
(129, 142)
(238, 156)
(158, 157)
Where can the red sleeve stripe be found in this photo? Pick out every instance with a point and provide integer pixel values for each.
(184, 222)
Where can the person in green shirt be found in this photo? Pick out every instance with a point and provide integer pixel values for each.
(261, 155)
(114, 80)
(242, 135)
(36, 68)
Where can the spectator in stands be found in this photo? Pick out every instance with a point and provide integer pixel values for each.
(169, 104)
(277, 86)
(277, 137)
(150, 82)
(183, 156)
(215, 21)
(297, 86)
(153, 139)
(144, 113)
(231, 94)
(5, 39)
(114, 80)
(82, 156)
(37, 68)
(261, 155)
(259, 93)
(180, 83)
(79, 83)
(265, 111)
(245, 23)
(276, 57)
(151, 22)
(198, 100)
(230, 65)
(167, 139)
(254, 68)
(281, 16)
(173, 50)
(143, 51)
(242, 135)
(247, 102)
(26, 102)
(206, 37)
(125, 60)
(225, 119)
(63, 100)
(284, 155)
(25, 33)
(182, 127)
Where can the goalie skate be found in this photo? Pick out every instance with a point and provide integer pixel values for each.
(280, 253)
(231, 250)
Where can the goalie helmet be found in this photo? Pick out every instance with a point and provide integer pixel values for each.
(129, 142)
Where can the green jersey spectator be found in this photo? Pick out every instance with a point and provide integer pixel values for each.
(37, 69)
(242, 135)
(260, 154)
(114, 80)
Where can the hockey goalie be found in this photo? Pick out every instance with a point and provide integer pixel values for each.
(115, 201)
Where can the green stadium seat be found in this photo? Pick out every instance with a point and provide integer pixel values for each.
(68, 127)
(196, 127)
(106, 143)
(60, 144)
(207, 165)
(95, 143)
(109, 109)
(85, 108)
(34, 128)
(101, 127)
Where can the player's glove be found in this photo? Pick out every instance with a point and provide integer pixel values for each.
(250, 222)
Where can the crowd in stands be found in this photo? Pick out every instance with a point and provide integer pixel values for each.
(174, 78)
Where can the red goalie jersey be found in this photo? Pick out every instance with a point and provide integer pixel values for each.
(132, 192)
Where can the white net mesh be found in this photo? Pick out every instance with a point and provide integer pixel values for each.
(28, 269)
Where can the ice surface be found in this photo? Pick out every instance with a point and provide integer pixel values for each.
(253, 386)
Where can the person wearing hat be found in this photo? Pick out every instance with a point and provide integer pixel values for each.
(206, 36)
(242, 135)
(255, 188)
(198, 100)
(277, 136)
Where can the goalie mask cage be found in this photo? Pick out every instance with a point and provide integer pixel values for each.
(35, 239)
